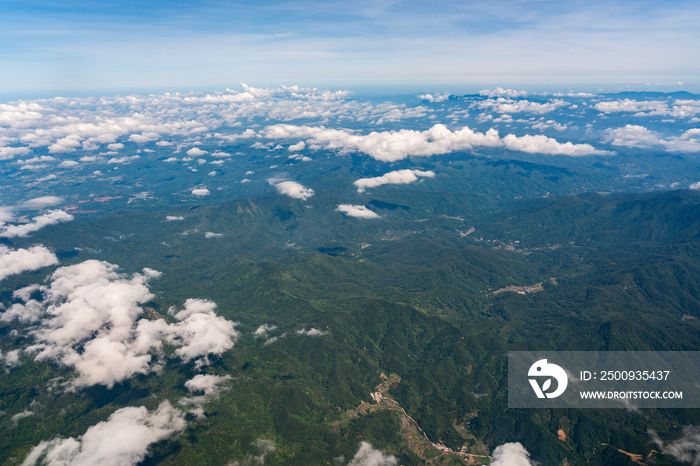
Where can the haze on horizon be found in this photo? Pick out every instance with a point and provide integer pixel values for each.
(97, 45)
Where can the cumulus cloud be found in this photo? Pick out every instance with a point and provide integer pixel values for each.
(367, 455)
(115, 146)
(510, 454)
(639, 136)
(210, 234)
(125, 159)
(196, 152)
(500, 92)
(173, 218)
(395, 177)
(263, 330)
(694, 186)
(144, 137)
(291, 189)
(7, 153)
(312, 332)
(298, 146)
(68, 163)
(122, 440)
(21, 230)
(200, 192)
(357, 211)
(20, 260)
(94, 325)
(206, 383)
(435, 98)
(300, 157)
(391, 146)
(200, 332)
(678, 109)
(503, 105)
(11, 359)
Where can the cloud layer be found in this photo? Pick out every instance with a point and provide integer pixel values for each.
(291, 189)
(395, 177)
(391, 146)
(20, 260)
(122, 440)
(94, 325)
(357, 211)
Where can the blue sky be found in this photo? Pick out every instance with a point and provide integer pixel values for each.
(98, 45)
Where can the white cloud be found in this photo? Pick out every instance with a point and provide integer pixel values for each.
(312, 332)
(263, 330)
(144, 138)
(693, 186)
(21, 230)
(200, 192)
(221, 154)
(88, 158)
(395, 177)
(125, 159)
(122, 440)
(11, 360)
(298, 146)
(7, 153)
(503, 105)
(687, 449)
(68, 163)
(300, 157)
(210, 234)
(639, 136)
(115, 146)
(170, 159)
(196, 152)
(367, 455)
(172, 218)
(94, 325)
(209, 384)
(43, 158)
(200, 331)
(291, 189)
(435, 98)
(391, 146)
(510, 454)
(24, 414)
(40, 202)
(357, 211)
(678, 109)
(499, 92)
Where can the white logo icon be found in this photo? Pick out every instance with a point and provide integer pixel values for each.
(543, 369)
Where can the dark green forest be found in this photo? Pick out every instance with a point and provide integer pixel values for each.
(415, 294)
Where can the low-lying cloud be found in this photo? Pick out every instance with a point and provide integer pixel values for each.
(291, 189)
(37, 223)
(122, 440)
(357, 211)
(14, 261)
(510, 454)
(94, 325)
(395, 177)
(391, 146)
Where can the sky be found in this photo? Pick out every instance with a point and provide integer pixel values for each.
(51, 46)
